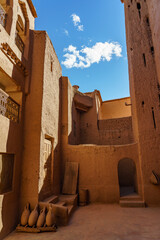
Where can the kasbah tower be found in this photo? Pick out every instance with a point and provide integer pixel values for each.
(143, 38)
(46, 123)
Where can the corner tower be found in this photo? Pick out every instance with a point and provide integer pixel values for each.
(145, 92)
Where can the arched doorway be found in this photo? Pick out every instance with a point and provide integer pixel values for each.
(127, 177)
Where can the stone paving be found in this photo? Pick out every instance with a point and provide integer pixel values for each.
(104, 222)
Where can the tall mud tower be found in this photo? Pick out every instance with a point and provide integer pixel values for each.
(144, 89)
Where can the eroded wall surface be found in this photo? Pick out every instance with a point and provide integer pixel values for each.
(116, 131)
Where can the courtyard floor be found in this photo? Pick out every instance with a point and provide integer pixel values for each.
(104, 222)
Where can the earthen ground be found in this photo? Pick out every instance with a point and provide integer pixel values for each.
(104, 222)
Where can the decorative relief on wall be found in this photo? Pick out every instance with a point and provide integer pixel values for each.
(13, 58)
(3, 102)
(8, 107)
(2, 16)
(24, 10)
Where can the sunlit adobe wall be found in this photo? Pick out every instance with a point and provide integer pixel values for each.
(115, 128)
(98, 165)
(118, 108)
(49, 175)
(41, 158)
(98, 169)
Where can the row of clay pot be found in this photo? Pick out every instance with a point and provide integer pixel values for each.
(33, 218)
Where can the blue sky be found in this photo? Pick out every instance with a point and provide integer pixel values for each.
(89, 39)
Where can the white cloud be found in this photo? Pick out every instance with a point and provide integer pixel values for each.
(66, 32)
(85, 57)
(80, 28)
(76, 21)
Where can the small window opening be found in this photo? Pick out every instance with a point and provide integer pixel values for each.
(138, 6)
(144, 59)
(139, 9)
(20, 34)
(153, 115)
(152, 50)
(147, 21)
(98, 124)
(142, 103)
(51, 66)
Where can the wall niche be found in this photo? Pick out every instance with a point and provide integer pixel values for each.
(6, 172)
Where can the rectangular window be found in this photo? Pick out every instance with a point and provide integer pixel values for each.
(6, 172)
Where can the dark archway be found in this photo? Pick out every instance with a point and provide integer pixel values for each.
(127, 177)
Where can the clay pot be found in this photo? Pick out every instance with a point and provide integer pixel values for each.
(41, 218)
(25, 215)
(50, 219)
(33, 217)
